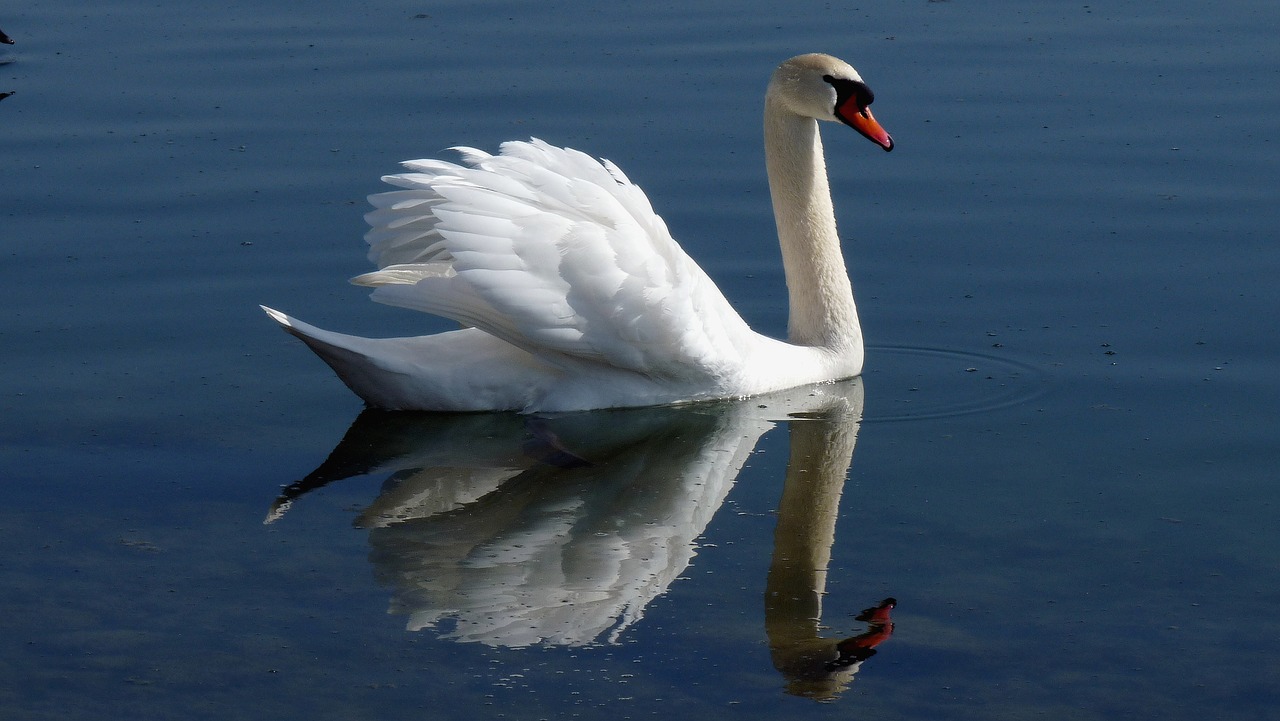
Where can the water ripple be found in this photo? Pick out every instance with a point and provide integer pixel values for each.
(911, 383)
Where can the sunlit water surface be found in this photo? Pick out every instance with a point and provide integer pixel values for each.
(1064, 471)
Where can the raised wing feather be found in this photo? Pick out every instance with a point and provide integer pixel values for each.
(554, 252)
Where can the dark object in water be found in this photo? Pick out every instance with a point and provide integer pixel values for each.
(5, 38)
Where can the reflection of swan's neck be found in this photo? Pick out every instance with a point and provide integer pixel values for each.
(822, 308)
(820, 457)
(821, 452)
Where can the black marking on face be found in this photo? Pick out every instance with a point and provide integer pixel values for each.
(847, 89)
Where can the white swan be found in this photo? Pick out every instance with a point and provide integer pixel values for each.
(573, 292)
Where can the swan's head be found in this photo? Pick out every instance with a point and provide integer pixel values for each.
(827, 88)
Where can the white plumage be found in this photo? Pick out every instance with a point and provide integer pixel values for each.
(574, 294)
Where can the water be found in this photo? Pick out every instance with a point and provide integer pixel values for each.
(1065, 271)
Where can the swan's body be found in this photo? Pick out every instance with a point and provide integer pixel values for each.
(574, 294)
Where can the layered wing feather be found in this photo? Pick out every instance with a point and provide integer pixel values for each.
(556, 253)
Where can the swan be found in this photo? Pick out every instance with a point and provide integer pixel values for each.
(573, 294)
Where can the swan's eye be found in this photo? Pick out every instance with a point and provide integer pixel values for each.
(851, 89)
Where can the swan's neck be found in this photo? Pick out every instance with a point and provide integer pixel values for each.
(822, 309)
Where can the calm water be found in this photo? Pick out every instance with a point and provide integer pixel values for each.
(1065, 468)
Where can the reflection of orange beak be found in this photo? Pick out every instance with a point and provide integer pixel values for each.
(863, 646)
(861, 120)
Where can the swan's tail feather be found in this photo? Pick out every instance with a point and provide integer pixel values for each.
(459, 370)
(357, 362)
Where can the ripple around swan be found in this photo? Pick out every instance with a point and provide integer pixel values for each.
(907, 383)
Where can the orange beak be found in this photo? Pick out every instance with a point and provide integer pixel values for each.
(861, 120)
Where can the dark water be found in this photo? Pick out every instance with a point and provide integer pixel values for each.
(1065, 474)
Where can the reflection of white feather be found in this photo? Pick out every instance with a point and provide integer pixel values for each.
(423, 493)
(572, 556)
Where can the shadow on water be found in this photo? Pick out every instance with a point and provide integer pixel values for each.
(516, 531)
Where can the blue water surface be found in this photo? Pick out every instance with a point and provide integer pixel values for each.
(1065, 465)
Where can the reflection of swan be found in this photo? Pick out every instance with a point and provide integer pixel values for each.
(515, 530)
(574, 293)
(815, 666)
(553, 530)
